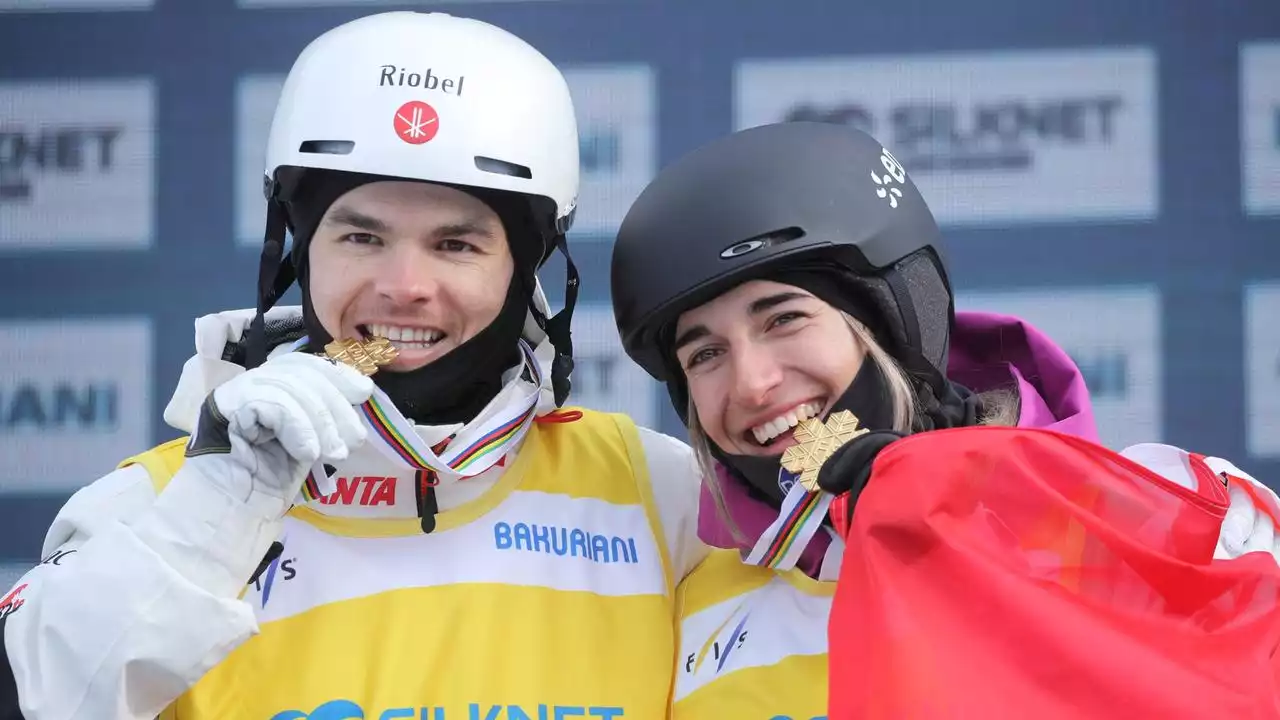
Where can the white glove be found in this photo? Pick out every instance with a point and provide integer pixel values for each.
(273, 423)
(1247, 527)
(258, 436)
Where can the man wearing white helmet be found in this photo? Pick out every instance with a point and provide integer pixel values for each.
(381, 511)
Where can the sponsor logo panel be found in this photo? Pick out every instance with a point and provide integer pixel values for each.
(83, 144)
(989, 138)
(75, 398)
(1260, 127)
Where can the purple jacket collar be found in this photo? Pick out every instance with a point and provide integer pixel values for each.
(987, 351)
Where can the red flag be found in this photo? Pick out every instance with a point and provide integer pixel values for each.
(1020, 573)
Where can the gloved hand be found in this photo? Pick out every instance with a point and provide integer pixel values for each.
(848, 470)
(257, 437)
(267, 427)
(1247, 526)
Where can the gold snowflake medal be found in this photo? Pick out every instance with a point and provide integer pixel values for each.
(365, 356)
(818, 441)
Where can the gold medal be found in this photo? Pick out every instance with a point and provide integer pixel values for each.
(818, 441)
(365, 357)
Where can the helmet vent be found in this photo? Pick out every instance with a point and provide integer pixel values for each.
(764, 240)
(502, 167)
(327, 147)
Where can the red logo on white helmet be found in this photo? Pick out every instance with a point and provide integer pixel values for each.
(416, 122)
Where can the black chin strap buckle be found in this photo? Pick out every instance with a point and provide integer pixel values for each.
(557, 329)
(274, 278)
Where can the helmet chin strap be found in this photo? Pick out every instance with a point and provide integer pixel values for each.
(274, 278)
(557, 327)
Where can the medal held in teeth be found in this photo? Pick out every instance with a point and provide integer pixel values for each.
(818, 441)
(365, 356)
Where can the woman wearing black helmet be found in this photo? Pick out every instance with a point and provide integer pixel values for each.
(783, 273)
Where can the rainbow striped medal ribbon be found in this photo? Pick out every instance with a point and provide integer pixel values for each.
(473, 450)
(805, 506)
(782, 543)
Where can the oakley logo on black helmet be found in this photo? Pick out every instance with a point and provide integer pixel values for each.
(741, 248)
(777, 237)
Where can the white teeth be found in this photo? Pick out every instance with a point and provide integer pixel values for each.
(405, 335)
(764, 432)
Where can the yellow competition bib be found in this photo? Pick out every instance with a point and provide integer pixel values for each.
(753, 643)
(548, 598)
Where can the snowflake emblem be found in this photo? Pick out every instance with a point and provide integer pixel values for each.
(885, 190)
(366, 357)
(818, 441)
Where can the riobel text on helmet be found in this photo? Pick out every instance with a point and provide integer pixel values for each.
(392, 76)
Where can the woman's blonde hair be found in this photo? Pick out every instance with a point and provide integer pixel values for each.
(1000, 406)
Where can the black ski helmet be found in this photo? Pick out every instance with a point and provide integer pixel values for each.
(777, 197)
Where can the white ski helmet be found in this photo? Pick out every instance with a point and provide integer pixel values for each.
(431, 97)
